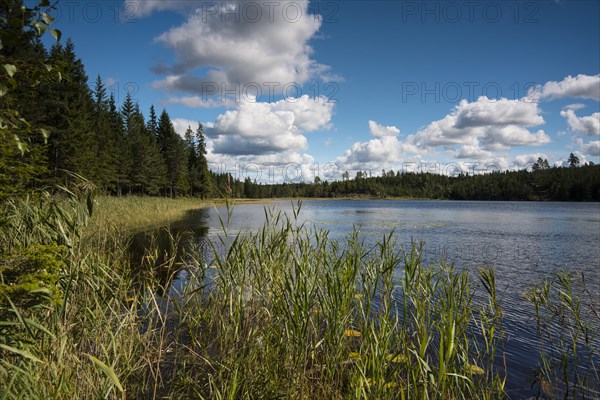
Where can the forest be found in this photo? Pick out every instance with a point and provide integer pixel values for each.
(577, 183)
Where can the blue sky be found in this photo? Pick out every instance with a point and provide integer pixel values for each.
(349, 85)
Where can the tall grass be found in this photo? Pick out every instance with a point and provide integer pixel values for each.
(285, 312)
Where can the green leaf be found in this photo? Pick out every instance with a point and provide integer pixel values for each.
(45, 134)
(40, 28)
(10, 69)
(22, 353)
(3, 89)
(56, 34)
(47, 18)
(22, 147)
(107, 370)
(90, 204)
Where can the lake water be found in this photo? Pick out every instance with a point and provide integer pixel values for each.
(525, 242)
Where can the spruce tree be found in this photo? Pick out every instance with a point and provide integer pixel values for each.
(106, 157)
(205, 181)
(172, 148)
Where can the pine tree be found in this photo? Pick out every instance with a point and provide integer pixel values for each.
(106, 157)
(192, 161)
(173, 150)
(205, 181)
(73, 144)
(121, 154)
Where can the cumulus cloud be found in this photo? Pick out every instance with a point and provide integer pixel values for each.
(580, 86)
(527, 160)
(472, 130)
(226, 48)
(381, 131)
(590, 125)
(575, 107)
(592, 148)
(287, 166)
(505, 137)
(385, 151)
(258, 128)
(497, 125)
(142, 8)
(472, 152)
(181, 124)
(199, 102)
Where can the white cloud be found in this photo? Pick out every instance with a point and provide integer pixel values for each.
(472, 152)
(580, 86)
(499, 124)
(258, 128)
(592, 148)
(527, 160)
(590, 125)
(505, 137)
(381, 131)
(575, 107)
(143, 8)
(217, 51)
(385, 151)
(500, 112)
(199, 102)
(181, 124)
(287, 166)
(109, 82)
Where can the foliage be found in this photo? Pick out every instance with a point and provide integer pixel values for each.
(542, 183)
(31, 276)
(23, 69)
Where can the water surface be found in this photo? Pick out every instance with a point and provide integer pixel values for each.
(525, 242)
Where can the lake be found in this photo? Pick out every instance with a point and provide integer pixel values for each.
(525, 242)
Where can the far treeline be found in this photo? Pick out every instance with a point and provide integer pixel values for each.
(573, 183)
(53, 124)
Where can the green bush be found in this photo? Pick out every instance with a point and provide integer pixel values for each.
(31, 276)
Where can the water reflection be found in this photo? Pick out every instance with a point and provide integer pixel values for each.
(161, 256)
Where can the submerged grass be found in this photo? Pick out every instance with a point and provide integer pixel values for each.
(285, 312)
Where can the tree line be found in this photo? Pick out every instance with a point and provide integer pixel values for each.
(574, 183)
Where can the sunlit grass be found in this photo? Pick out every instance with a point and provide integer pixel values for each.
(139, 213)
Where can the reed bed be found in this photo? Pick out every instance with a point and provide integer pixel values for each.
(285, 312)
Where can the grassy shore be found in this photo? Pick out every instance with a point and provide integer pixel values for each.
(139, 213)
(282, 313)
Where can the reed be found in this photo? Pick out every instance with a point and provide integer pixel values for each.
(284, 312)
